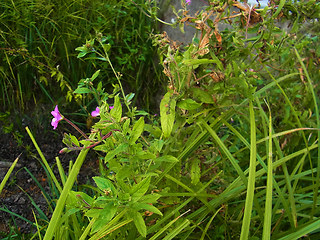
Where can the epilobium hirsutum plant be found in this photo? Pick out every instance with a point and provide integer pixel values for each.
(212, 170)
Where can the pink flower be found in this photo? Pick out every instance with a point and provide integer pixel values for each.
(96, 112)
(111, 107)
(188, 2)
(57, 117)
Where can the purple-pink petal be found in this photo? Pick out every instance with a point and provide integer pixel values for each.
(111, 107)
(96, 112)
(56, 117)
(188, 2)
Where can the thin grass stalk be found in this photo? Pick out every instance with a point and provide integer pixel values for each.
(36, 222)
(236, 188)
(159, 225)
(302, 232)
(111, 226)
(292, 211)
(251, 178)
(6, 177)
(260, 160)
(40, 212)
(53, 177)
(177, 230)
(43, 192)
(54, 222)
(87, 230)
(209, 223)
(268, 206)
(226, 152)
(315, 100)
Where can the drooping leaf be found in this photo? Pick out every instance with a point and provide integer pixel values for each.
(139, 223)
(137, 130)
(167, 113)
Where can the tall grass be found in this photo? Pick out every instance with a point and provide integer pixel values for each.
(38, 41)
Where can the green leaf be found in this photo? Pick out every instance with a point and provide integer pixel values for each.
(116, 111)
(157, 144)
(167, 158)
(140, 189)
(167, 113)
(106, 47)
(139, 223)
(195, 172)
(145, 206)
(82, 54)
(121, 148)
(202, 95)
(95, 75)
(150, 198)
(76, 198)
(82, 90)
(280, 6)
(188, 104)
(137, 130)
(104, 184)
(125, 127)
(105, 215)
(83, 48)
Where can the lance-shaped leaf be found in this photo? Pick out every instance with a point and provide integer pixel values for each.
(167, 113)
(137, 130)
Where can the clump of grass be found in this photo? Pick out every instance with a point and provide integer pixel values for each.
(38, 48)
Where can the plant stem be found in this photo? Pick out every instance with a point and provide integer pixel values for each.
(76, 128)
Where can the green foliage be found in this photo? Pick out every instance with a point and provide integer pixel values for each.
(37, 49)
(236, 153)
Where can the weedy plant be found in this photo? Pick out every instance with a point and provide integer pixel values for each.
(236, 154)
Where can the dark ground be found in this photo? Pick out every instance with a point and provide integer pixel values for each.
(20, 186)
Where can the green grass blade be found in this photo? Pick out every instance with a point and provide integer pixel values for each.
(53, 177)
(209, 223)
(268, 206)
(315, 100)
(54, 222)
(302, 231)
(226, 151)
(6, 177)
(177, 230)
(251, 179)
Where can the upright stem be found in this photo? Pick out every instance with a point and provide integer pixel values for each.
(117, 76)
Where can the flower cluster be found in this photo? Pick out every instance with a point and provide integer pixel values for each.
(57, 117)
